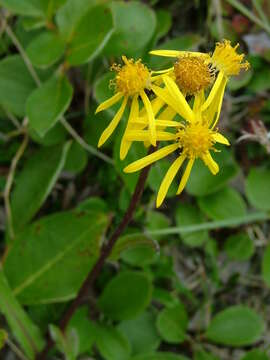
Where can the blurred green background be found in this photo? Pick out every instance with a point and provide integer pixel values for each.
(189, 281)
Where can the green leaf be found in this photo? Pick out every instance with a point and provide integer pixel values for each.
(136, 250)
(3, 338)
(112, 344)
(255, 355)
(240, 81)
(157, 172)
(159, 356)
(69, 15)
(172, 324)
(46, 49)
(236, 326)
(90, 35)
(76, 159)
(202, 182)
(85, 329)
(36, 181)
(35, 8)
(266, 266)
(258, 83)
(48, 103)
(54, 136)
(133, 330)
(239, 247)
(224, 204)
(54, 256)
(203, 355)
(16, 84)
(164, 23)
(126, 295)
(185, 215)
(257, 188)
(66, 343)
(25, 331)
(134, 27)
(26, 7)
(156, 220)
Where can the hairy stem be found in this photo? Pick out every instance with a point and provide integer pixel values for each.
(104, 254)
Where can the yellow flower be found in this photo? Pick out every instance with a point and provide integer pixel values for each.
(131, 81)
(190, 70)
(136, 124)
(193, 138)
(226, 60)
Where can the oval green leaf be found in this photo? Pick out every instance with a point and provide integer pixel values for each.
(224, 204)
(48, 103)
(236, 326)
(172, 324)
(90, 35)
(54, 255)
(126, 295)
(134, 27)
(257, 188)
(239, 247)
(45, 49)
(35, 182)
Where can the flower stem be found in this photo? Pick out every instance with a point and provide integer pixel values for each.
(105, 252)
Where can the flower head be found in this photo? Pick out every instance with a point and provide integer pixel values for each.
(192, 74)
(131, 81)
(131, 78)
(194, 137)
(227, 60)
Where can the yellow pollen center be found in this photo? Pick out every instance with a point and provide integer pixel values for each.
(196, 139)
(226, 59)
(192, 74)
(132, 77)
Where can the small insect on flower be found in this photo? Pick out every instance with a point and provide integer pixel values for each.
(131, 81)
(193, 138)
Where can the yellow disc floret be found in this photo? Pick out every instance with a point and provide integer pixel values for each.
(196, 139)
(192, 74)
(226, 59)
(131, 78)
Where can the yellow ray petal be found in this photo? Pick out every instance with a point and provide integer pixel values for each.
(182, 106)
(143, 135)
(165, 96)
(156, 104)
(198, 101)
(167, 53)
(166, 182)
(149, 159)
(219, 100)
(185, 176)
(168, 113)
(151, 118)
(210, 162)
(162, 71)
(160, 122)
(134, 111)
(110, 102)
(221, 139)
(113, 124)
(213, 91)
(175, 53)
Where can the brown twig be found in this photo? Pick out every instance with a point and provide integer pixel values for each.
(104, 254)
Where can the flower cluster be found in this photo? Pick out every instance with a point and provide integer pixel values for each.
(180, 106)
